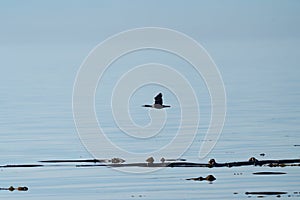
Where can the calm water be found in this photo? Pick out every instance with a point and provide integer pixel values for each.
(263, 115)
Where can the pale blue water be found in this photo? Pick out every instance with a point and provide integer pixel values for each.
(263, 112)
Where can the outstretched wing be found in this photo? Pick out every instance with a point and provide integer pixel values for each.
(158, 99)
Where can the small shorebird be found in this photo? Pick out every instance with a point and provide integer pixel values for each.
(150, 160)
(212, 162)
(117, 160)
(158, 102)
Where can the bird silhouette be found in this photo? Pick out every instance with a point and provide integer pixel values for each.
(158, 103)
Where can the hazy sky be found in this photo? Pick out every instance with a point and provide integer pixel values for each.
(76, 21)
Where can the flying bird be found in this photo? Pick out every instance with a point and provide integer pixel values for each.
(158, 103)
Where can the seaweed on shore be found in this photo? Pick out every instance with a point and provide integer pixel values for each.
(11, 188)
(118, 162)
